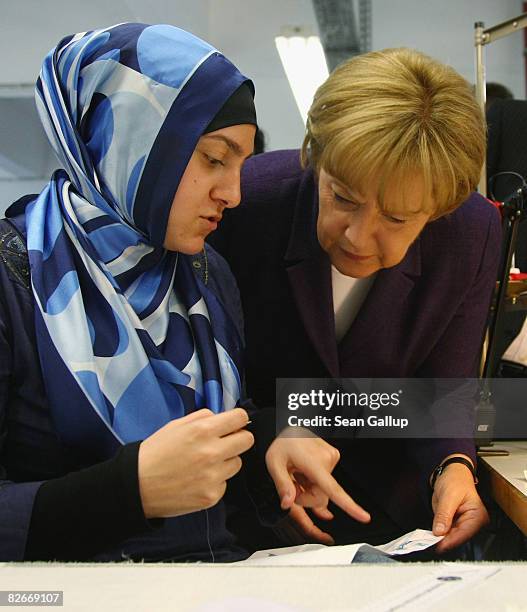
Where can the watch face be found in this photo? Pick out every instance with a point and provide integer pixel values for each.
(437, 472)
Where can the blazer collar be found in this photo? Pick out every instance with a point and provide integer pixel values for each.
(303, 242)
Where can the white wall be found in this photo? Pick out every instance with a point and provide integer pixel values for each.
(244, 30)
(28, 30)
(445, 29)
(253, 50)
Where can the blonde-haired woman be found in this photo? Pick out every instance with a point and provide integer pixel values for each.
(368, 255)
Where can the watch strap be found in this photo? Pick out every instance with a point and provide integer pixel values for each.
(441, 468)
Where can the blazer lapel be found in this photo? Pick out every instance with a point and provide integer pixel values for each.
(310, 282)
(309, 272)
(386, 303)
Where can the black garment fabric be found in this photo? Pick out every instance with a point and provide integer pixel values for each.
(92, 509)
(238, 110)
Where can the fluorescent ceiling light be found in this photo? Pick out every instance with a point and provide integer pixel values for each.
(305, 66)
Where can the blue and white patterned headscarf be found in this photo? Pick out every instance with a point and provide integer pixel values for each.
(128, 338)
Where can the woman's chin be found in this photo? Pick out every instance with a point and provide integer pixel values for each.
(186, 247)
(192, 247)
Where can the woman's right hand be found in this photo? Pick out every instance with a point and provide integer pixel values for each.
(183, 467)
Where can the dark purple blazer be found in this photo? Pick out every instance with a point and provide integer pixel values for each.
(424, 317)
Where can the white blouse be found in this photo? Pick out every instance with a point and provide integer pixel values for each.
(348, 295)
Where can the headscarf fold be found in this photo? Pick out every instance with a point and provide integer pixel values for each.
(125, 331)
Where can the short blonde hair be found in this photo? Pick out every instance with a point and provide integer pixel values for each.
(387, 116)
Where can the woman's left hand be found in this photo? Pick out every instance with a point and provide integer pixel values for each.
(301, 467)
(459, 512)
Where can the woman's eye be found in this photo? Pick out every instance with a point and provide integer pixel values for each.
(213, 161)
(395, 220)
(338, 198)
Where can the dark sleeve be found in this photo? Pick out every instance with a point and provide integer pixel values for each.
(87, 512)
(456, 355)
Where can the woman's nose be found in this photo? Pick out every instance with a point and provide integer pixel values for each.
(361, 230)
(229, 191)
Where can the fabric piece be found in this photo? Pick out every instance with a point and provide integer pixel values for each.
(517, 351)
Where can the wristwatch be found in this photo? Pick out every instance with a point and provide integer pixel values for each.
(441, 467)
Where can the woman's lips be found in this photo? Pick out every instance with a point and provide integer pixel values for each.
(354, 257)
(211, 222)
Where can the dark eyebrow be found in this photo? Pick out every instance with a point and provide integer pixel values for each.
(233, 146)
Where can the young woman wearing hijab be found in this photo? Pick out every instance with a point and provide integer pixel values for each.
(120, 336)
